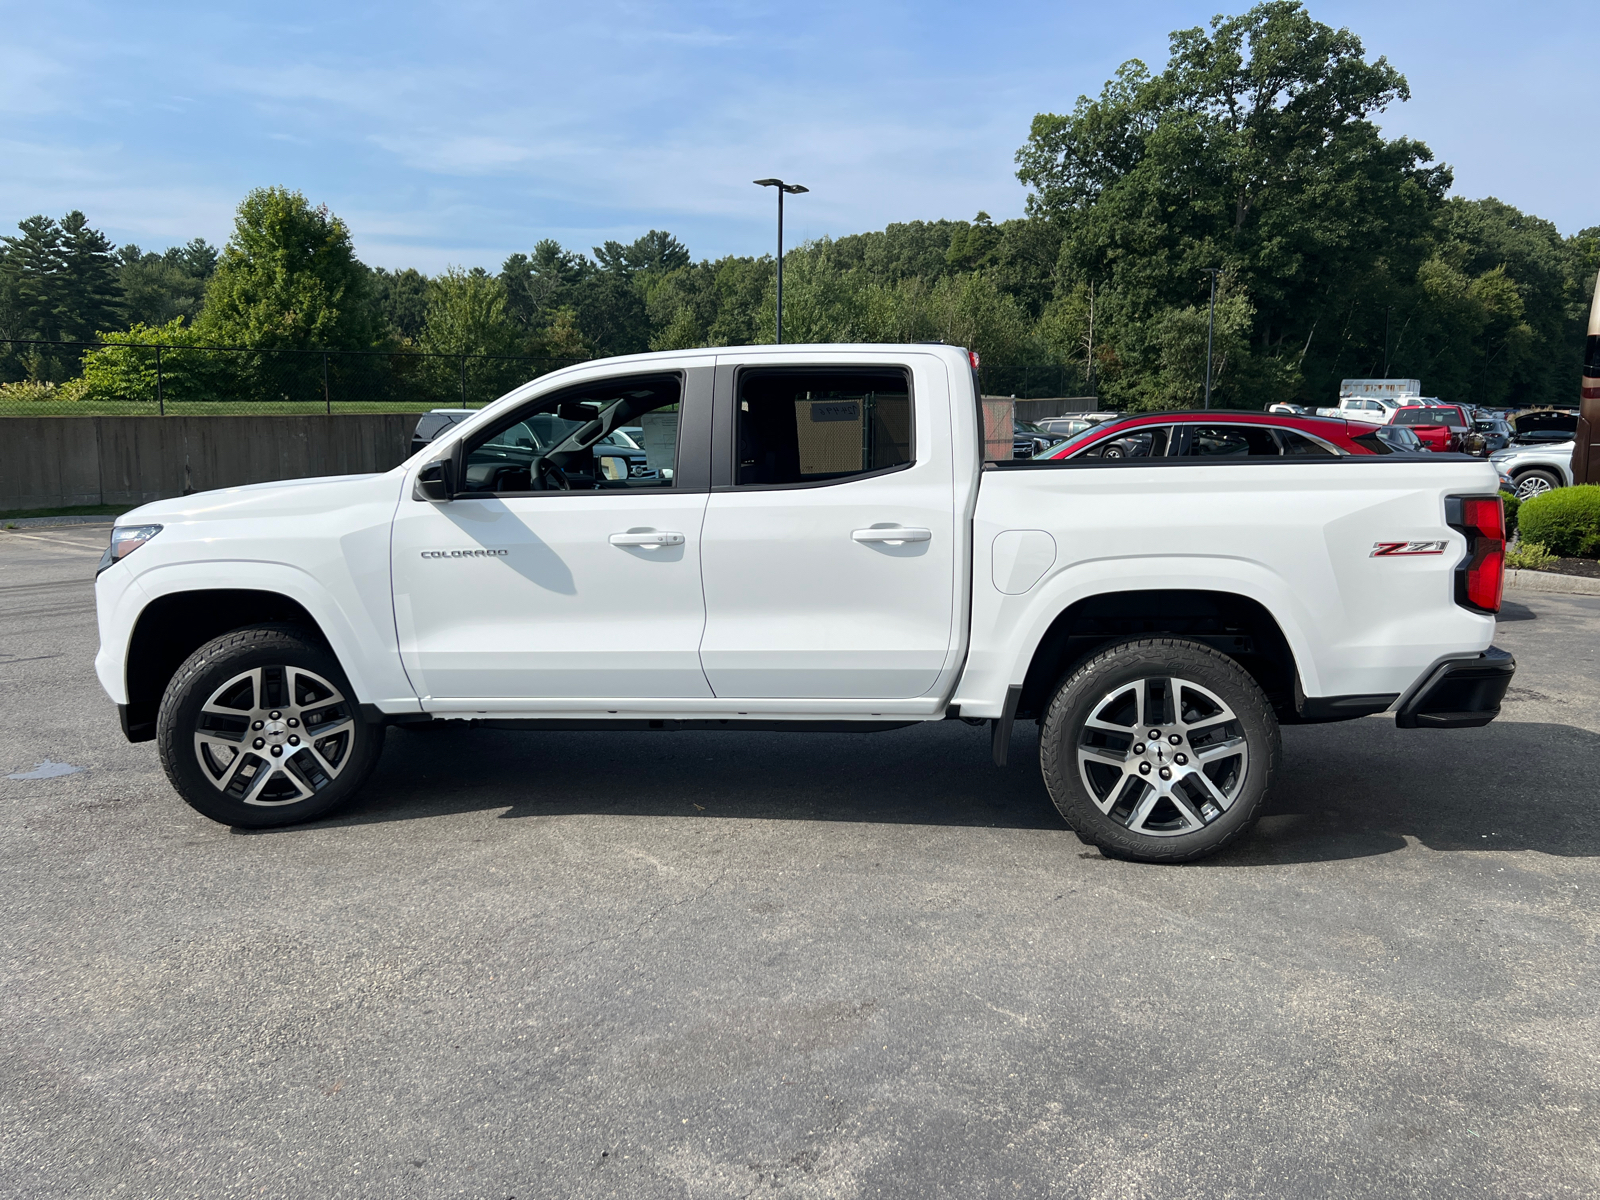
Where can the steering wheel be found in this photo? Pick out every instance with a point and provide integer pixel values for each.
(549, 477)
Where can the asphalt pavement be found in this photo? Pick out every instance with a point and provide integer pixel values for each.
(722, 965)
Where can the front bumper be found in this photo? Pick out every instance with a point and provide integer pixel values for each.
(1461, 693)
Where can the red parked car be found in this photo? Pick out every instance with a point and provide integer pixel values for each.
(1219, 433)
(1441, 427)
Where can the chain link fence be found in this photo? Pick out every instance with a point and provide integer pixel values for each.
(148, 379)
(1040, 382)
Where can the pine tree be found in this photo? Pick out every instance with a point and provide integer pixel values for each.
(90, 293)
(34, 265)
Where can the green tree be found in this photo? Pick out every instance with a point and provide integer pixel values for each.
(158, 287)
(35, 263)
(467, 320)
(90, 295)
(400, 299)
(288, 279)
(539, 285)
(1254, 151)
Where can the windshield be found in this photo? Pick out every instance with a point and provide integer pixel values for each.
(1083, 435)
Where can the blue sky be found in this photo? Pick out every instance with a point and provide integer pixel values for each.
(455, 133)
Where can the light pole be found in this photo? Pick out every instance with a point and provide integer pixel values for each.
(792, 189)
(1211, 326)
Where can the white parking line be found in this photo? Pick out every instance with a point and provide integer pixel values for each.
(34, 537)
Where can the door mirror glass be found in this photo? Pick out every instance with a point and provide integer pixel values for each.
(433, 482)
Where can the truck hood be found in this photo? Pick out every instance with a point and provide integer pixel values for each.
(284, 497)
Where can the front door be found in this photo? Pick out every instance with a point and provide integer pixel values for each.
(829, 548)
(558, 570)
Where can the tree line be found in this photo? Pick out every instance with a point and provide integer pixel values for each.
(1253, 153)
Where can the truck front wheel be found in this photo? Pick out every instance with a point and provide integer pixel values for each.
(260, 727)
(1159, 750)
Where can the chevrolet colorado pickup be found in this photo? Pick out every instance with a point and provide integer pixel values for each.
(816, 544)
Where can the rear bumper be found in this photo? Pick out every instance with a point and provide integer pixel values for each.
(1459, 694)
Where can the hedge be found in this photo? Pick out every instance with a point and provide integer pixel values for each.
(1510, 503)
(1566, 520)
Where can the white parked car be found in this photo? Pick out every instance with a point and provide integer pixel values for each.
(829, 552)
(1535, 469)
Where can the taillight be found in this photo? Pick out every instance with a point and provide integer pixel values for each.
(1481, 575)
(972, 356)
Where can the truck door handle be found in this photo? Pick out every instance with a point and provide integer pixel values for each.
(649, 538)
(894, 535)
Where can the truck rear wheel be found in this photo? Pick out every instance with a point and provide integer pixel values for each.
(1159, 750)
(260, 727)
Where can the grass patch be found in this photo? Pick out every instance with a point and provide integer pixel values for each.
(79, 510)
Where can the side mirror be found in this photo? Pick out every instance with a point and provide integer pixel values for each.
(613, 467)
(433, 482)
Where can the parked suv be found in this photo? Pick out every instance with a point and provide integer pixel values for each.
(1536, 468)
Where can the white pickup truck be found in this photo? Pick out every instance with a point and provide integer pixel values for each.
(1374, 410)
(815, 544)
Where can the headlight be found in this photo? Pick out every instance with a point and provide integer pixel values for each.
(125, 539)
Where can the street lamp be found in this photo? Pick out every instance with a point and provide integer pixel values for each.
(792, 189)
(1211, 326)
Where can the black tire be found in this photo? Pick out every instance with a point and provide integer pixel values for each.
(1230, 736)
(326, 749)
(1536, 482)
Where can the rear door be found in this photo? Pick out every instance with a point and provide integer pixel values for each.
(830, 541)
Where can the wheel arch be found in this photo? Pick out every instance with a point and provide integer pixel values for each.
(174, 625)
(1233, 624)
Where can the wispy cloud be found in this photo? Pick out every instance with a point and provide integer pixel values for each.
(456, 132)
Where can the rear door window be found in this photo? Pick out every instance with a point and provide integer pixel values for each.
(808, 426)
(1229, 441)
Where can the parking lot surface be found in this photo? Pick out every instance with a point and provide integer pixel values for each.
(719, 965)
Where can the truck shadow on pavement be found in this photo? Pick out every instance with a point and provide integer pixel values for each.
(1367, 788)
(1345, 791)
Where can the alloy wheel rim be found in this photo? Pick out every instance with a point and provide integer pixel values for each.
(1532, 487)
(274, 735)
(1163, 756)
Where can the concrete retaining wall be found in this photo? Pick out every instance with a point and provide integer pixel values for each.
(56, 462)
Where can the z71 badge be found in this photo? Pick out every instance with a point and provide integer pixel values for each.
(1404, 549)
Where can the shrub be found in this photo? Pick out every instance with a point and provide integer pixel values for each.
(31, 391)
(1529, 556)
(123, 368)
(1511, 504)
(1565, 520)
